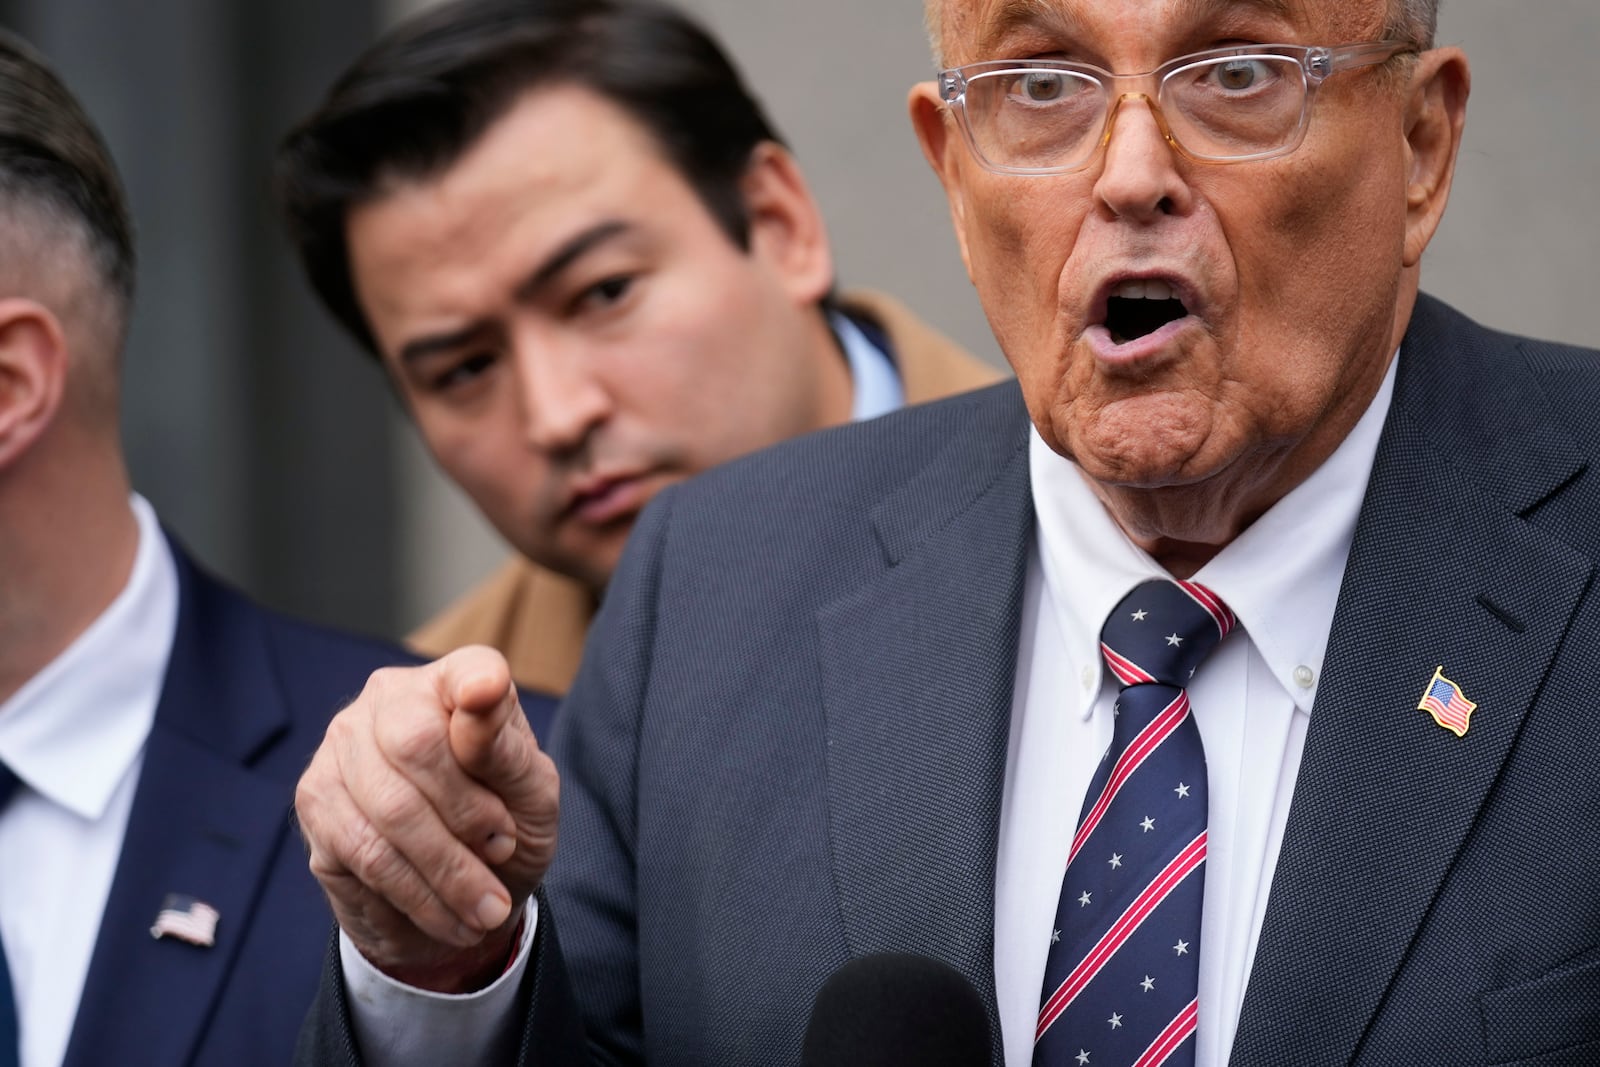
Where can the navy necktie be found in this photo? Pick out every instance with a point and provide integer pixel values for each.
(1122, 976)
(9, 1053)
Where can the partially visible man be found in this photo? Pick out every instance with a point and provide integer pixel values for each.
(155, 906)
(591, 269)
(940, 683)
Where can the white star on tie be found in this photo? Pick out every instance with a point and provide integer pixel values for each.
(1115, 1021)
(1174, 640)
(1139, 615)
(1115, 860)
(1055, 937)
(1181, 948)
(1148, 824)
(1182, 791)
(1148, 983)
(1083, 901)
(1083, 1057)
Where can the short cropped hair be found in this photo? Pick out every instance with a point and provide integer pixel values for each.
(413, 104)
(54, 164)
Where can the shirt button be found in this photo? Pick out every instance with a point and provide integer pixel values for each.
(1087, 677)
(1304, 677)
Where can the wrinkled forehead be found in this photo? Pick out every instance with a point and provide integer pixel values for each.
(970, 30)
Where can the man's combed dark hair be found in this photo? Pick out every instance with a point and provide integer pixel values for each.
(53, 159)
(415, 102)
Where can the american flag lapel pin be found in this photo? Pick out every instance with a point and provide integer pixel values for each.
(1449, 706)
(186, 918)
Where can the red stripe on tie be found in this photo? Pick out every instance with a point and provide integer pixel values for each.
(1148, 740)
(1127, 671)
(1166, 1043)
(1183, 864)
(1224, 618)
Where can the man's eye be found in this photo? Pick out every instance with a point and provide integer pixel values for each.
(462, 371)
(1042, 86)
(604, 293)
(1237, 74)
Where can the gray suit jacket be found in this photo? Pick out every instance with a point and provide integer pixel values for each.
(786, 744)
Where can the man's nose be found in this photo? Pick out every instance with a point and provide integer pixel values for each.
(562, 398)
(1139, 178)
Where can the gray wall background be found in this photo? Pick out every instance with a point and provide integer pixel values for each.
(274, 449)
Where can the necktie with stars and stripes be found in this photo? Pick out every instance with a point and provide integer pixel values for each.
(1121, 979)
(9, 1051)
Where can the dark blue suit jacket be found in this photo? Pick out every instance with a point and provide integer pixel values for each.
(247, 696)
(787, 742)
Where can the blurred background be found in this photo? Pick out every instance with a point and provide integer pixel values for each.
(273, 447)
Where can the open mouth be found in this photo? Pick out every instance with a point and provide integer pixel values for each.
(1141, 306)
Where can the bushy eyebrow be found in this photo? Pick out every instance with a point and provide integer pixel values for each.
(1060, 20)
(569, 253)
(538, 279)
(1049, 17)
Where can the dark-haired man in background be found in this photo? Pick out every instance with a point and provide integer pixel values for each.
(591, 268)
(155, 906)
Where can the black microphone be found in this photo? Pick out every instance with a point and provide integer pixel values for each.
(895, 1009)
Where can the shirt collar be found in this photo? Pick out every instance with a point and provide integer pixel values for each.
(877, 388)
(72, 732)
(1281, 576)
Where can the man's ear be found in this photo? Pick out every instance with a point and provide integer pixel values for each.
(942, 147)
(1436, 114)
(786, 228)
(33, 374)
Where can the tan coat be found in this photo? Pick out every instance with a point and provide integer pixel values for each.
(538, 618)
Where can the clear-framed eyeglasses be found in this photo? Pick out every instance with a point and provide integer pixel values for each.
(1225, 105)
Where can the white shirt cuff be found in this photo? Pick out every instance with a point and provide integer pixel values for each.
(397, 1025)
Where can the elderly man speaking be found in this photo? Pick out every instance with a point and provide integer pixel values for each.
(1219, 693)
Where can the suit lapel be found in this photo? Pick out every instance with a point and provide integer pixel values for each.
(1444, 572)
(917, 672)
(220, 706)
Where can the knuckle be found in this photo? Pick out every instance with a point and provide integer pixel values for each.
(312, 794)
(341, 731)
(476, 813)
(383, 680)
(417, 741)
(374, 860)
(395, 804)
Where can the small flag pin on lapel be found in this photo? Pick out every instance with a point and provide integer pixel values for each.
(187, 919)
(1449, 706)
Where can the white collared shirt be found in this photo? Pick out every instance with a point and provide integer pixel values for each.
(75, 735)
(876, 388)
(1252, 700)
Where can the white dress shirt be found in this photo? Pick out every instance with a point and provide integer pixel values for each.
(875, 383)
(75, 735)
(1252, 700)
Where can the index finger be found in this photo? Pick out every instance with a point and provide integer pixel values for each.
(488, 730)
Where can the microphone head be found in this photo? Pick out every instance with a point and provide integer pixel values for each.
(894, 1009)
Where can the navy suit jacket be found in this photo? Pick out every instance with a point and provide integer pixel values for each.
(247, 696)
(787, 743)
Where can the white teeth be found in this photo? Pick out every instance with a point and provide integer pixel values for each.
(1143, 289)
